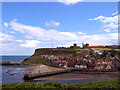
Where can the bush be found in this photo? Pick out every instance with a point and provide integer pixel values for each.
(55, 84)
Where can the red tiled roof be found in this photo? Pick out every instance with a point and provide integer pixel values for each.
(43, 55)
(99, 60)
(58, 61)
(93, 57)
(61, 61)
(107, 60)
(95, 46)
(91, 63)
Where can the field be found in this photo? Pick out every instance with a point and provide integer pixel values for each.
(112, 84)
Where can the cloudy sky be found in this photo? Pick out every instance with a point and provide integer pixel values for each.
(30, 25)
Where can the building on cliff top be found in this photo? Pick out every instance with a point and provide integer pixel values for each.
(74, 46)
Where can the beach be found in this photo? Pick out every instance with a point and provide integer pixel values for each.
(42, 69)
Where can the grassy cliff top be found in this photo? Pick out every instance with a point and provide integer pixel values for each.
(62, 51)
(105, 49)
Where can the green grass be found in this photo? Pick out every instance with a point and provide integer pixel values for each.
(112, 84)
(36, 59)
(105, 49)
(64, 52)
(117, 50)
(101, 48)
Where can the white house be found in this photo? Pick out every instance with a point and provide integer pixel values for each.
(98, 68)
(108, 67)
(80, 66)
(98, 51)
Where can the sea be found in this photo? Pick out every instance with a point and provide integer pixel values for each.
(17, 73)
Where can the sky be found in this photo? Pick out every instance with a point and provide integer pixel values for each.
(27, 26)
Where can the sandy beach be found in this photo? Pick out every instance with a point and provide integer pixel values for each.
(42, 69)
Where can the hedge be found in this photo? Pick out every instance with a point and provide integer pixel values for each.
(107, 83)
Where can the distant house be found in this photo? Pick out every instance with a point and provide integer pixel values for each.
(116, 64)
(97, 68)
(91, 65)
(92, 58)
(108, 67)
(81, 66)
(61, 63)
(74, 46)
(85, 45)
(44, 56)
(98, 51)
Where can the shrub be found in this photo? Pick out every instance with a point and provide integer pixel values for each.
(55, 84)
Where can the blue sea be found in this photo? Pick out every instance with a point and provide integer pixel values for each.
(13, 58)
(7, 78)
(19, 71)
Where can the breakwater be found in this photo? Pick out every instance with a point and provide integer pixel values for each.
(10, 63)
(36, 75)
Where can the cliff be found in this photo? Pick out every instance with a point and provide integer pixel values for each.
(36, 58)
